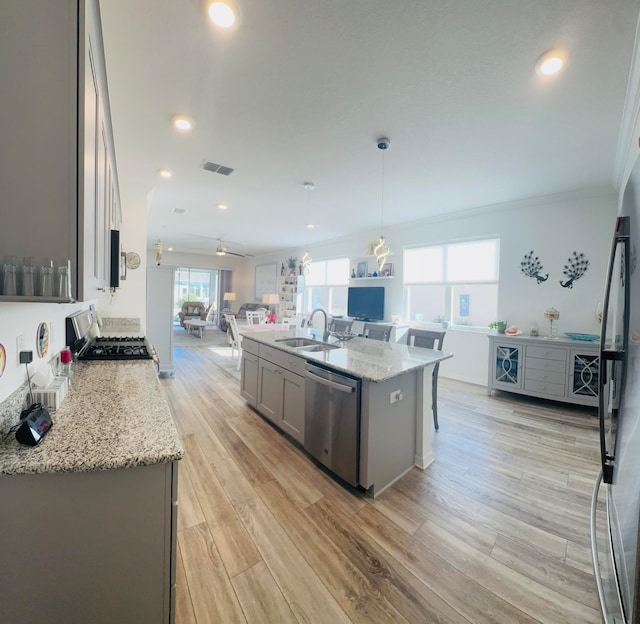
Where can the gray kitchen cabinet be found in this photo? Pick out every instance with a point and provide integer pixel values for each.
(279, 386)
(59, 175)
(551, 369)
(293, 405)
(249, 372)
(96, 546)
(270, 390)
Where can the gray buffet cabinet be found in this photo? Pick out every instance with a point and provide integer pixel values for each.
(562, 370)
(394, 433)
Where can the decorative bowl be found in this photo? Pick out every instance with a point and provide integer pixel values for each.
(584, 337)
(342, 336)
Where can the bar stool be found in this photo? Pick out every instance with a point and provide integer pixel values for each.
(429, 340)
(377, 331)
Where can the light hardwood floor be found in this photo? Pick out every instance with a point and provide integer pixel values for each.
(496, 530)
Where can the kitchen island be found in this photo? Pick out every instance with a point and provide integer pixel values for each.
(394, 428)
(88, 517)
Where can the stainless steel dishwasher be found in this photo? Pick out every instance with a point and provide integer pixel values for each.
(332, 421)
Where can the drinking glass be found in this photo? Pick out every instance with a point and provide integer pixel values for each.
(28, 277)
(66, 359)
(46, 278)
(64, 283)
(9, 282)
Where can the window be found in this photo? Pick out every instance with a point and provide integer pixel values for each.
(455, 282)
(326, 286)
(193, 285)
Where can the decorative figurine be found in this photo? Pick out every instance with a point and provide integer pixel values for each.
(282, 269)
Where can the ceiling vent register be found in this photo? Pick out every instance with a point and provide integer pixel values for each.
(214, 168)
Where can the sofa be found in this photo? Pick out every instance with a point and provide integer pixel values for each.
(241, 313)
(192, 310)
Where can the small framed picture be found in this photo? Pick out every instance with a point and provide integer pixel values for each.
(387, 270)
(361, 268)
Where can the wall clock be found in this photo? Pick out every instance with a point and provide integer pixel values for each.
(133, 260)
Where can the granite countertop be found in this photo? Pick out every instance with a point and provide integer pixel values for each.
(114, 416)
(363, 358)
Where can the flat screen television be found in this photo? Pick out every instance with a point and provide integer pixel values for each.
(366, 303)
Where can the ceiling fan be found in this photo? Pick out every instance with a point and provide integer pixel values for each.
(221, 249)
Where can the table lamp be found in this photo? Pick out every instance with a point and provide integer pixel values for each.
(228, 296)
(270, 299)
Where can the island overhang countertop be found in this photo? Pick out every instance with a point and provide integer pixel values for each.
(114, 416)
(363, 358)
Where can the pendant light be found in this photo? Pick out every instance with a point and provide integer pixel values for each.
(158, 252)
(307, 259)
(381, 250)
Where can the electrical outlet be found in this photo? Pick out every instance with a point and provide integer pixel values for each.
(395, 396)
(20, 345)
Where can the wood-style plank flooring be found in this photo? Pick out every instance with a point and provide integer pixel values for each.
(495, 531)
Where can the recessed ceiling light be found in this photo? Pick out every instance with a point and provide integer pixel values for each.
(169, 248)
(310, 226)
(222, 14)
(182, 122)
(165, 173)
(551, 62)
(222, 206)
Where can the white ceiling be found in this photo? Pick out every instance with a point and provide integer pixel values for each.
(301, 90)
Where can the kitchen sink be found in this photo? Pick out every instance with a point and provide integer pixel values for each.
(299, 342)
(318, 347)
(307, 344)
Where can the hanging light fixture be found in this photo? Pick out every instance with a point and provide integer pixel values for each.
(381, 250)
(307, 259)
(158, 252)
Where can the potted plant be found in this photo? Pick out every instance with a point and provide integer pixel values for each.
(291, 263)
(499, 326)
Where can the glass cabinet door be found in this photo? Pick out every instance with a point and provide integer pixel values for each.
(583, 381)
(507, 361)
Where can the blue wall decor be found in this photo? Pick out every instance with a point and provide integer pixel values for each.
(532, 267)
(576, 267)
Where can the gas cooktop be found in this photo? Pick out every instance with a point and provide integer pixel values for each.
(116, 348)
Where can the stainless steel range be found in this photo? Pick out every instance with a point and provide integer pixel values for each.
(79, 339)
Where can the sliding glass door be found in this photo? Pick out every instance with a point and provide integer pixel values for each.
(194, 285)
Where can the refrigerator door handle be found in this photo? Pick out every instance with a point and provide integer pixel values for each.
(621, 237)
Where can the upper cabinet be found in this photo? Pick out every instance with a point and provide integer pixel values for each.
(60, 194)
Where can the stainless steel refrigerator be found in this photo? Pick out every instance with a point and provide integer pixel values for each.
(615, 548)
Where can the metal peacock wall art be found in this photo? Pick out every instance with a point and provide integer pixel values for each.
(532, 267)
(576, 267)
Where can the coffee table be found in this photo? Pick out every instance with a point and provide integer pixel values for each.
(193, 324)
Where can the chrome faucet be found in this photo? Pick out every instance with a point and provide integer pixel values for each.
(325, 332)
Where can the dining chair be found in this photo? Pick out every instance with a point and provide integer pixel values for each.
(256, 317)
(429, 340)
(377, 331)
(236, 338)
(291, 321)
(340, 325)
